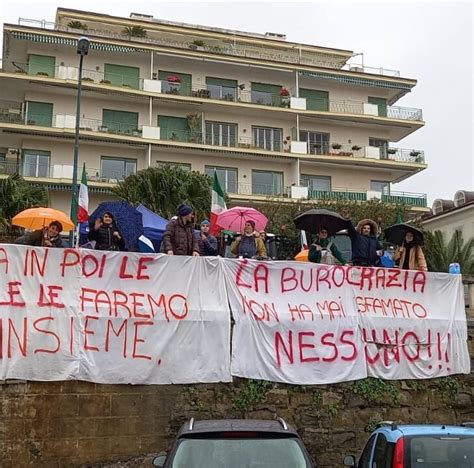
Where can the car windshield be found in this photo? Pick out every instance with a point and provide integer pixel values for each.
(442, 452)
(239, 453)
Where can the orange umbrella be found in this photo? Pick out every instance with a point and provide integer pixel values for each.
(38, 218)
(302, 256)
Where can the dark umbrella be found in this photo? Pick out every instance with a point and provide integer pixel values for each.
(128, 220)
(313, 220)
(396, 234)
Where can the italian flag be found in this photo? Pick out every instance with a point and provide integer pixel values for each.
(83, 199)
(217, 204)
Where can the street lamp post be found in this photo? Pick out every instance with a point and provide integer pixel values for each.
(82, 49)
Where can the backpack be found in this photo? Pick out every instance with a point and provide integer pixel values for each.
(326, 255)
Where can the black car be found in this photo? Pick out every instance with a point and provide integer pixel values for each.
(236, 443)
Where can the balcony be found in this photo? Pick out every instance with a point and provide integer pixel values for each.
(234, 46)
(409, 198)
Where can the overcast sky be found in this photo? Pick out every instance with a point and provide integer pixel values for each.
(431, 41)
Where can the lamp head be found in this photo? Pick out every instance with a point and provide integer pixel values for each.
(83, 46)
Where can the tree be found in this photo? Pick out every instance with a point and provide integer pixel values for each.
(440, 254)
(134, 31)
(163, 189)
(16, 194)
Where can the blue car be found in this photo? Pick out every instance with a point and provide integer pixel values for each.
(417, 446)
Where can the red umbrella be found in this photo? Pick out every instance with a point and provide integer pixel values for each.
(234, 219)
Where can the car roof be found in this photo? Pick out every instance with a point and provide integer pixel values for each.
(410, 430)
(236, 425)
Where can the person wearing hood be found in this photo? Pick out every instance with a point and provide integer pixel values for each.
(249, 244)
(366, 248)
(179, 238)
(106, 234)
(410, 255)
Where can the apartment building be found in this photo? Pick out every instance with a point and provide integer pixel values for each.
(275, 118)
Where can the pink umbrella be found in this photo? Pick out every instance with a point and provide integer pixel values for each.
(234, 218)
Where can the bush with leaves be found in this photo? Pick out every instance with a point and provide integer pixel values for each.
(135, 31)
(439, 253)
(163, 189)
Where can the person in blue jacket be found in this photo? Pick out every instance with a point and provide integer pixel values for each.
(207, 242)
(366, 248)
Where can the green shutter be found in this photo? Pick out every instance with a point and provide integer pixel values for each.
(186, 81)
(265, 88)
(41, 64)
(119, 75)
(221, 82)
(381, 103)
(315, 100)
(120, 121)
(40, 113)
(271, 96)
(173, 128)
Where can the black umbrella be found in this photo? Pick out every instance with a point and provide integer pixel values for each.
(313, 220)
(396, 234)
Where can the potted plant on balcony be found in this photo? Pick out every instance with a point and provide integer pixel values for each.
(105, 82)
(77, 25)
(392, 151)
(284, 97)
(337, 147)
(356, 148)
(197, 44)
(41, 73)
(416, 155)
(87, 79)
(194, 124)
(134, 31)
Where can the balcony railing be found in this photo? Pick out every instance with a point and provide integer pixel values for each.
(215, 92)
(234, 48)
(409, 198)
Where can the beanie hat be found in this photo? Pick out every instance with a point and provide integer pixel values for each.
(251, 222)
(184, 210)
(205, 221)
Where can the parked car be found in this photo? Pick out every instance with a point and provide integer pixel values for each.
(417, 446)
(236, 443)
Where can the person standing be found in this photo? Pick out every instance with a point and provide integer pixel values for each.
(324, 250)
(207, 242)
(366, 248)
(269, 242)
(410, 255)
(179, 238)
(248, 244)
(106, 234)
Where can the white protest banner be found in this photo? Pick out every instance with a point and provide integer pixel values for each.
(112, 317)
(304, 323)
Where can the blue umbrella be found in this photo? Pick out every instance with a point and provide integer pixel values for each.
(128, 220)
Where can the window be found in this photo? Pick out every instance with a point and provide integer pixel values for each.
(182, 87)
(381, 186)
(266, 94)
(267, 138)
(227, 177)
(381, 144)
(120, 121)
(364, 461)
(316, 183)
(173, 128)
(120, 75)
(381, 103)
(221, 134)
(115, 169)
(41, 65)
(318, 142)
(39, 113)
(36, 163)
(383, 453)
(184, 166)
(220, 88)
(267, 183)
(315, 100)
(3, 163)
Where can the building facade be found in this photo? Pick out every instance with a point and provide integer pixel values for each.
(274, 118)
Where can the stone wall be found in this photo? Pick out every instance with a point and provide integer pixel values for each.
(71, 423)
